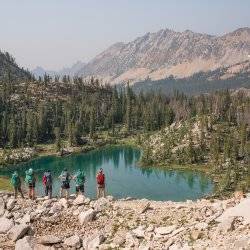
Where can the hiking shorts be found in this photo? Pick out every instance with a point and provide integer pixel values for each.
(32, 185)
(80, 188)
(65, 185)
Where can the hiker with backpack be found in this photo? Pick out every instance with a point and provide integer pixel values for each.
(47, 183)
(65, 179)
(31, 182)
(80, 180)
(16, 183)
(100, 179)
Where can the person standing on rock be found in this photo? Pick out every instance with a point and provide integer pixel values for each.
(31, 182)
(100, 179)
(80, 180)
(47, 183)
(16, 183)
(65, 179)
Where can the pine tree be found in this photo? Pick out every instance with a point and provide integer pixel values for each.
(128, 109)
(58, 140)
(191, 154)
(13, 134)
(92, 123)
(215, 148)
(243, 138)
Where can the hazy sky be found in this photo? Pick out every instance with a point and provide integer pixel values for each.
(56, 33)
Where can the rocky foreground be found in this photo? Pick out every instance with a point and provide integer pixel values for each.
(81, 223)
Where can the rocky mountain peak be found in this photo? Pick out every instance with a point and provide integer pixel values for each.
(166, 52)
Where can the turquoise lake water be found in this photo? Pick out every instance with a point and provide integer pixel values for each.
(124, 177)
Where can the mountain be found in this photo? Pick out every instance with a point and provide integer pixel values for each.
(232, 77)
(166, 52)
(8, 66)
(72, 71)
(40, 71)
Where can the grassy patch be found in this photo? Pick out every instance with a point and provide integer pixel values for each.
(5, 184)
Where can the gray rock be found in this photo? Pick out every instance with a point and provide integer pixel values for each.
(18, 231)
(165, 230)
(94, 242)
(87, 201)
(242, 243)
(25, 219)
(64, 202)
(131, 240)
(57, 207)
(195, 234)
(79, 200)
(100, 204)
(227, 224)
(145, 208)
(73, 241)
(47, 203)
(139, 232)
(87, 216)
(144, 247)
(10, 204)
(241, 210)
(43, 247)
(8, 214)
(49, 240)
(2, 206)
(201, 226)
(119, 239)
(27, 243)
(5, 225)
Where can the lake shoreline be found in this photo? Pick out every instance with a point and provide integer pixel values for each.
(44, 150)
(120, 164)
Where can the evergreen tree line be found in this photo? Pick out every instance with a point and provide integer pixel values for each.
(52, 109)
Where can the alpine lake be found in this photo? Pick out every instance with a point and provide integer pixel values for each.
(124, 178)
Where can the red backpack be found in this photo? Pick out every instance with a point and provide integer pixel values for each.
(44, 180)
(100, 179)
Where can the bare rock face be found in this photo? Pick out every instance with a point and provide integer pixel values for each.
(166, 52)
(5, 225)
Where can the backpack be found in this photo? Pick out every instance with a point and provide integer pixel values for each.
(29, 178)
(100, 179)
(15, 180)
(80, 178)
(47, 179)
(65, 177)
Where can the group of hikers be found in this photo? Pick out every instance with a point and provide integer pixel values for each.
(65, 178)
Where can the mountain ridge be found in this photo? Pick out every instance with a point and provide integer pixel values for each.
(10, 69)
(166, 52)
(71, 71)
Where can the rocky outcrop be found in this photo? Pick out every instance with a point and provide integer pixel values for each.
(79, 223)
(166, 52)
